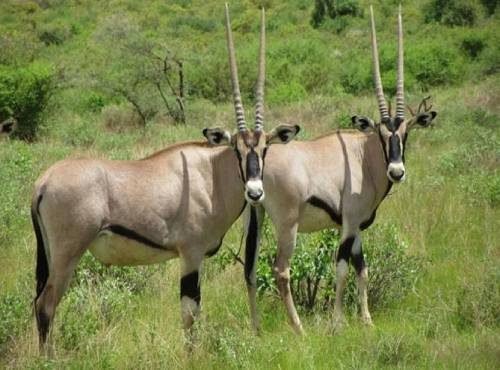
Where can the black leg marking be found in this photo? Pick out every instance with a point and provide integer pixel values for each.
(190, 286)
(317, 202)
(43, 323)
(358, 261)
(251, 245)
(345, 249)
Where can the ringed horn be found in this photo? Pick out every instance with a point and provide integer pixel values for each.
(382, 105)
(238, 104)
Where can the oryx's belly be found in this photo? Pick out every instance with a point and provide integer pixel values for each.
(313, 219)
(114, 249)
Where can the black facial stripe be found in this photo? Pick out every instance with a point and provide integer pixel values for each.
(251, 245)
(384, 147)
(404, 145)
(131, 234)
(394, 148)
(264, 153)
(253, 167)
(238, 155)
(190, 286)
(345, 249)
(317, 202)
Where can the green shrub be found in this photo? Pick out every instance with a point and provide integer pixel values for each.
(15, 313)
(26, 91)
(452, 12)
(55, 33)
(478, 301)
(473, 45)
(335, 9)
(490, 6)
(392, 271)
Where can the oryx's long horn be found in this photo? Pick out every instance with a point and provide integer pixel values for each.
(400, 93)
(379, 91)
(238, 105)
(259, 93)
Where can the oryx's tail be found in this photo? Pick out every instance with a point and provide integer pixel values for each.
(42, 265)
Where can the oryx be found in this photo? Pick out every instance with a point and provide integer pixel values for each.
(178, 202)
(336, 180)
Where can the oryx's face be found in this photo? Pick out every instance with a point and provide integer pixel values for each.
(250, 147)
(393, 136)
(393, 133)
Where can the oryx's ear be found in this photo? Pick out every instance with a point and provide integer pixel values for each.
(363, 123)
(282, 134)
(424, 119)
(217, 136)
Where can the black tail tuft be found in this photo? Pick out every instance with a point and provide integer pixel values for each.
(251, 244)
(42, 266)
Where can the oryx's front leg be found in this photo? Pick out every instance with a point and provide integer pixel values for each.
(190, 291)
(286, 244)
(342, 269)
(358, 262)
(252, 242)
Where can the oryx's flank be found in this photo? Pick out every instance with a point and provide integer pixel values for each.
(250, 146)
(178, 202)
(337, 180)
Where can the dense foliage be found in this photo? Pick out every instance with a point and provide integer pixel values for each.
(158, 57)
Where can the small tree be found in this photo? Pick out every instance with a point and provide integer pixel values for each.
(141, 70)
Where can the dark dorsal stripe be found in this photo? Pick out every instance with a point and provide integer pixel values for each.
(131, 234)
(317, 202)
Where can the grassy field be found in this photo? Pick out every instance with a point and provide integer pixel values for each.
(447, 212)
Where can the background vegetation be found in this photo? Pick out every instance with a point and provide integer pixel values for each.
(121, 79)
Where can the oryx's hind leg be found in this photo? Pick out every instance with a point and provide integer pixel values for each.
(66, 242)
(358, 262)
(286, 244)
(190, 291)
(252, 243)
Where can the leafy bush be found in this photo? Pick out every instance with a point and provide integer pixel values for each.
(473, 45)
(490, 6)
(15, 313)
(54, 33)
(26, 91)
(335, 9)
(119, 118)
(97, 295)
(452, 12)
(392, 271)
(478, 302)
